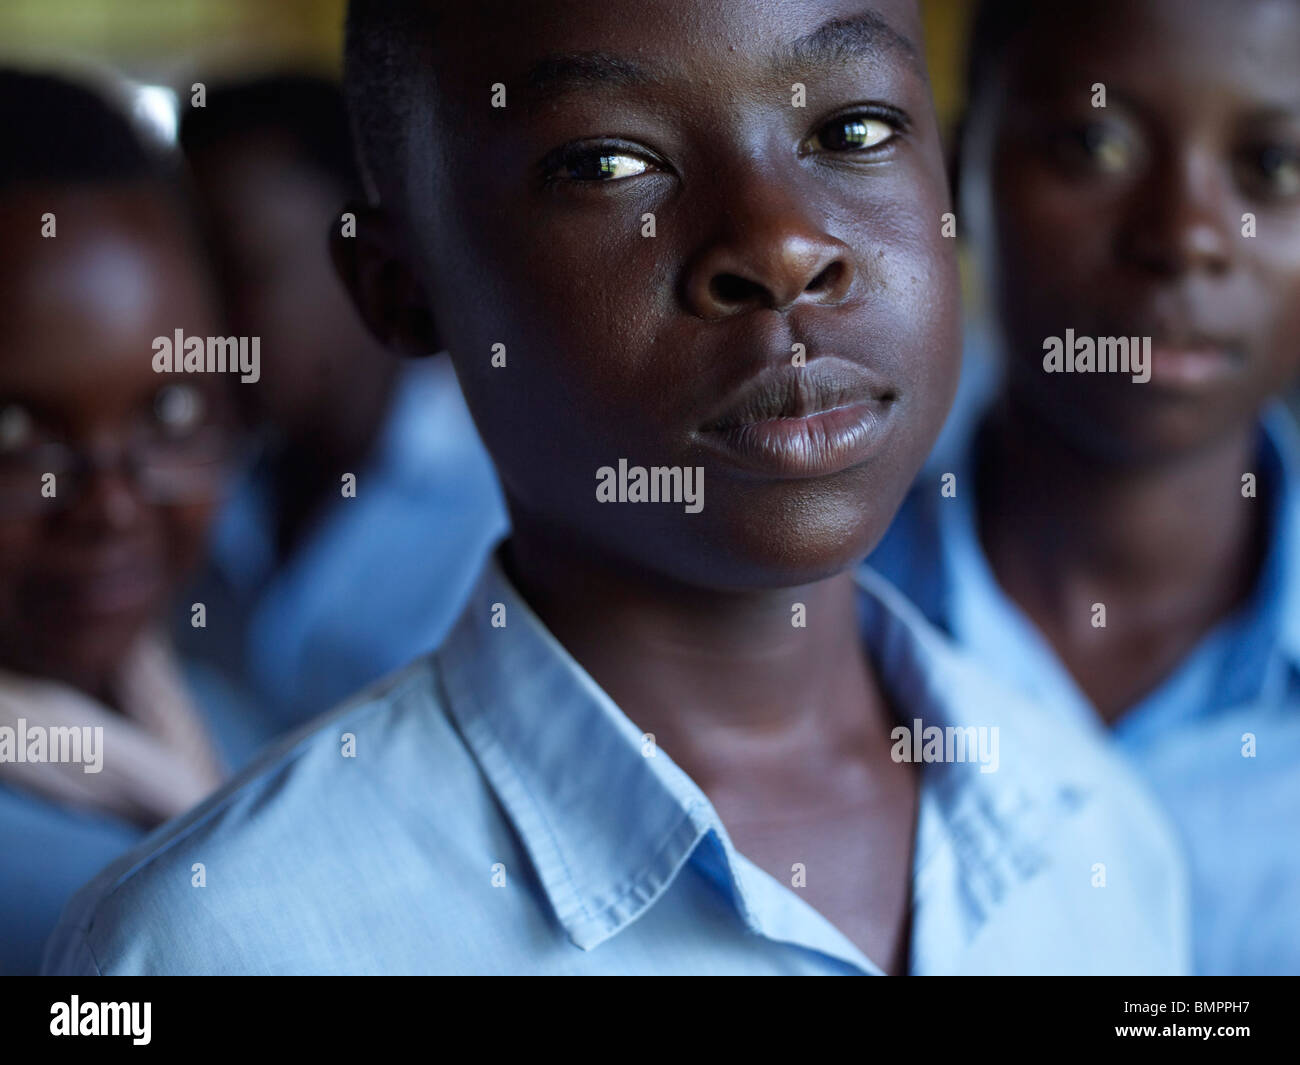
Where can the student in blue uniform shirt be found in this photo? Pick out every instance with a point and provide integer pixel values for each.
(663, 737)
(1127, 552)
(109, 475)
(313, 590)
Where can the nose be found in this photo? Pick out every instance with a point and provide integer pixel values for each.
(770, 253)
(111, 500)
(107, 495)
(1184, 222)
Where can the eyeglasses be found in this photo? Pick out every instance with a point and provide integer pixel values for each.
(167, 465)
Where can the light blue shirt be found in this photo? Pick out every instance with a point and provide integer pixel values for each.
(501, 815)
(377, 581)
(1235, 811)
(51, 849)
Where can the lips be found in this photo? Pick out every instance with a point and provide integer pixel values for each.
(1190, 350)
(1194, 361)
(801, 421)
(124, 587)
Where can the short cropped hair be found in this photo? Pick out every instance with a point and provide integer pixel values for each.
(380, 81)
(58, 131)
(305, 110)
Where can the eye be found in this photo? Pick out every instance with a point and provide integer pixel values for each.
(851, 133)
(1102, 147)
(1112, 152)
(595, 164)
(16, 429)
(1273, 170)
(178, 409)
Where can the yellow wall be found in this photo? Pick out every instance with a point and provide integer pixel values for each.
(177, 37)
(162, 38)
(946, 24)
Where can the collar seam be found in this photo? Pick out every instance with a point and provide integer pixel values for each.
(622, 888)
(637, 883)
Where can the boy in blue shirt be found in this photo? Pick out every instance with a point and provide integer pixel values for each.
(1124, 545)
(688, 260)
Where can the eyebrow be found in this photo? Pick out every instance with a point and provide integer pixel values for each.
(838, 41)
(842, 40)
(557, 74)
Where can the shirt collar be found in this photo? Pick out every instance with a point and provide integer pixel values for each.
(554, 747)
(608, 824)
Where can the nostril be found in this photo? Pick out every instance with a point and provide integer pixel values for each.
(827, 280)
(732, 288)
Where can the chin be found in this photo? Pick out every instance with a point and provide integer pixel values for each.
(786, 547)
(1149, 433)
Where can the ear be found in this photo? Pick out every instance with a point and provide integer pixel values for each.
(373, 261)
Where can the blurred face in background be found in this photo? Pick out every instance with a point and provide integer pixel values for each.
(1129, 220)
(269, 214)
(138, 458)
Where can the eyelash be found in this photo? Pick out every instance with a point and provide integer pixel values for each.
(1259, 176)
(569, 155)
(890, 116)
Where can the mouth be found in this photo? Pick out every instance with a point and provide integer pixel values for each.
(107, 592)
(802, 421)
(1194, 362)
(1189, 353)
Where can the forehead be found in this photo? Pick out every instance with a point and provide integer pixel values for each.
(537, 48)
(1233, 50)
(79, 311)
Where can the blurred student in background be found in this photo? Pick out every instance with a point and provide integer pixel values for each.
(314, 589)
(1125, 546)
(109, 474)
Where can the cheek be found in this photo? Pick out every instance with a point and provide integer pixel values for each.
(19, 548)
(585, 350)
(923, 336)
(1277, 276)
(1051, 234)
(1043, 248)
(185, 531)
(606, 297)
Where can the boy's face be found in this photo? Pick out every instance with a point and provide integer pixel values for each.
(82, 573)
(1128, 220)
(774, 225)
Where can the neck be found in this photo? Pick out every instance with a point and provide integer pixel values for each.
(1058, 524)
(719, 677)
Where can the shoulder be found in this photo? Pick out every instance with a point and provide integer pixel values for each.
(287, 847)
